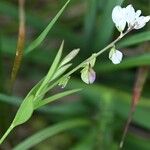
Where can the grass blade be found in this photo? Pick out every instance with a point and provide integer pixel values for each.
(49, 132)
(55, 97)
(134, 39)
(42, 36)
(105, 25)
(136, 61)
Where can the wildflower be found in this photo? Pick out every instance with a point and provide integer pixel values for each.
(134, 19)
(119, 18)
(88, 75)
(122, 16)
(115, 56)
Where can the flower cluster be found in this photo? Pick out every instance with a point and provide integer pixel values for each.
(122, 17)
(128, 15)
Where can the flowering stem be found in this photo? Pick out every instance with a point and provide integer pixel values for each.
(87, 60)
(98, 53)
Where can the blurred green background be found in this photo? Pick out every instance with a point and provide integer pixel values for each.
(105, 105)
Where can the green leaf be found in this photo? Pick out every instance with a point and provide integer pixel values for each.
(42, 36)
(25, 111)
(126, 63)
(51, 71)
(69, 57)
(121, 99)
(55, 97)
(134, 39)
(49, 132)
(60, 71)
(89, 24)
(87, 142)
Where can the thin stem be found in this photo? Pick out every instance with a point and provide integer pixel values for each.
(98, 53)
(85, 61)
(6, 134)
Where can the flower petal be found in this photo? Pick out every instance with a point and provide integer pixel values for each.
(130, 15)
(141, 22)
(116, 57)
(118, 17)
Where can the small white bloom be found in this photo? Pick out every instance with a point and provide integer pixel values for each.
(118, 17)
(115, 56)
(141, 22)
(134, 19)
(131, 15)
(121, 16)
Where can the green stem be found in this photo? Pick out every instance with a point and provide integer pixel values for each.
(6, 134)
(87, 60)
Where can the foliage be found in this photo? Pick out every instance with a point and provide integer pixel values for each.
(103, 106)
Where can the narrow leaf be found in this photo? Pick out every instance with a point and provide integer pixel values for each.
(42, 36)
(55, 97)
(69, 57)
(105, 24)
(24, 113)
(134, 39)
(61, 71)
(51, 70)
(49, 132)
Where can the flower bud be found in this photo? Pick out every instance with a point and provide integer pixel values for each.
(88, 75)
(115, 56)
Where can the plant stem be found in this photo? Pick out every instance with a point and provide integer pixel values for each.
(85, 61)
(6, 134)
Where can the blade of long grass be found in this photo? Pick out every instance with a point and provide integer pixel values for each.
(51, 71)
(136, 61)
(63, 109)
(20, 44)
(49, 132)
(1, 69)
(137, 142)
(55, 97)
(121, 101)
(87, 142)
(90, 21)
(59, 31)
(42, 36)
(134, 39)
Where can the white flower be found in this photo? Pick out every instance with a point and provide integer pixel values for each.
(121, 16)
(115, 56)
(118, 17)
(141, 22)
(134, 19)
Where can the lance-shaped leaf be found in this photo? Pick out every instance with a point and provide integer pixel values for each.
(61, 71)
(55, 97)
(42, 36)
(69, 57)
(25, 111)
(23, 114)
(52, 70)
